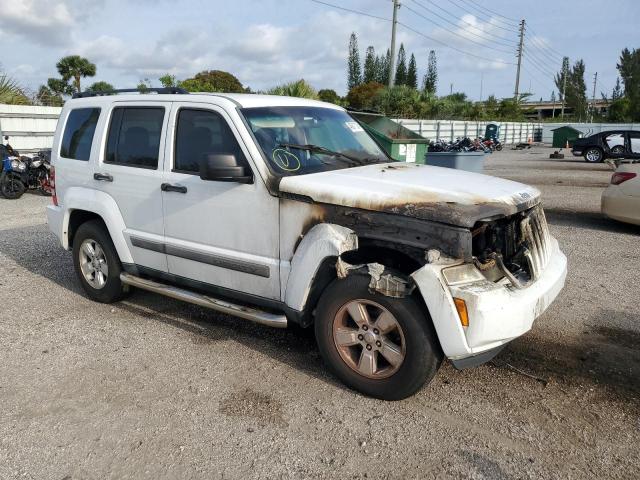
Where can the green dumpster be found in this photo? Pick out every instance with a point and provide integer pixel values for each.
(564, 135)
(399, 142)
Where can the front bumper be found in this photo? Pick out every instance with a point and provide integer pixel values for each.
(498, 312)
(577, 152)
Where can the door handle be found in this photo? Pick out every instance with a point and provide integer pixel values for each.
(103, 177)
(167, 187)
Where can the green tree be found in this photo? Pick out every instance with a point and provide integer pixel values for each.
(361, 96)
(383, 66)
(559, 78)
(10, 92)
(328, 95)
(430, 82)
(491, 106)
(168, 80)
(48, 98)
(59, 87)
(299, 88)
(401, 69)
(75, 67)
(412, 73)
(616, 93)
(213, 81)
(629, 69)
(370, 65)
(144, 85)
(577, 91)
(400, 101)
(101, 87)
(354, 70)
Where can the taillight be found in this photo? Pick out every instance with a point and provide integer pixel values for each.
(621, 177)
(52, 183)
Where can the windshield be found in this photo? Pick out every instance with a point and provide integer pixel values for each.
(301, 140)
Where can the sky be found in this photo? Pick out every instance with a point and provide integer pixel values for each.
(268, 42)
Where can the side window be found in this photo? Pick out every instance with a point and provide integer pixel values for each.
(78, 133)
(634, 138)
(134, 136)
(200, 133)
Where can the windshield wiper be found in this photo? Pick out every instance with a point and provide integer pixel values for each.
(326, 151)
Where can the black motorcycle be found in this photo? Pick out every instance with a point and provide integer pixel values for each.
(21, 173)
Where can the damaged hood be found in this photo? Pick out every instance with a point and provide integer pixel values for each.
(431, 193)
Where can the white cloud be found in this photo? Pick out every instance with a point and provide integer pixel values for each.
(44, 21)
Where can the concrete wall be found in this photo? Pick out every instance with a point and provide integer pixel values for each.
(29, 128)
(510, 132)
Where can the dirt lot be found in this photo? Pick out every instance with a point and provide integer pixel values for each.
(153, 388)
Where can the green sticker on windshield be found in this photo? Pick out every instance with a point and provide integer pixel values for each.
(286, 160)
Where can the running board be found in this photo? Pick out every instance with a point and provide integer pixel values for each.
(248, 313)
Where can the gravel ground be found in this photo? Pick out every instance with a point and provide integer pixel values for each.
(153, 388)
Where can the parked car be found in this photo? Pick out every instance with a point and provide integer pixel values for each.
(621, 199)
(611, 144)
(285, 211)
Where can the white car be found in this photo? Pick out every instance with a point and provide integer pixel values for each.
(284, 210)
(621, 199)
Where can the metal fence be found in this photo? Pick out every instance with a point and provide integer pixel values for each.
(29, 128)
(510, 132)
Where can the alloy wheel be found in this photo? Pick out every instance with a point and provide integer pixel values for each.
(93, 263)
(593, 155)
(369, 339)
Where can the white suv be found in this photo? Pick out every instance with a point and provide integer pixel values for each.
(284, 210)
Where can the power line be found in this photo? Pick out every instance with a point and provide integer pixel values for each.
(464, 9)
(350, 10)
(471, 2)
(453, 32)
(484, 37)
(454, 48)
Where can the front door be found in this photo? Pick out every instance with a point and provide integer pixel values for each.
(220, 233)
(130, 170)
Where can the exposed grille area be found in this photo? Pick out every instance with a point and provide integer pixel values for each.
(517, 247)
(535, 234)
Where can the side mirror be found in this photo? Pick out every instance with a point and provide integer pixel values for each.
(6, 137)
(224, 167)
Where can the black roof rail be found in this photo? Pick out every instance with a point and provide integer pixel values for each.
(165, 90)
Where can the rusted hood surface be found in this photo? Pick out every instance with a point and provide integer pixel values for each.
(431, 193)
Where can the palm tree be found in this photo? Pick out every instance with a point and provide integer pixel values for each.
(75, 67)
(10, 92)
(298, 88)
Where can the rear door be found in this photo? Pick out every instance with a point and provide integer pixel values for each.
(634, 144)
(130, 169)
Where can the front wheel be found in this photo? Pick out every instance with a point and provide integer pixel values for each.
(96, 263)
(499, 147)
(381, 346)
(11, 185)
(593, 155)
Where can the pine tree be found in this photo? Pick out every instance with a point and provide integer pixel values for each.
(577, 91)
(370, 65)
(401, 69)
(412, 73)
(430, 82)
(560, 77)
(354, 69)
(617, 90)
(384, 64)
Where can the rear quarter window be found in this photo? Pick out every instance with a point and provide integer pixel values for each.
(78, 133)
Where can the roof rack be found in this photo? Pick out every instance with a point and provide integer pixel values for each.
(165, 90)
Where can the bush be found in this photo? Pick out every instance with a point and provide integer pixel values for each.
(327, 95)
(213, 81)
(361, 97)
(299, 88)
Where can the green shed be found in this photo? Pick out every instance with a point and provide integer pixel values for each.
(562, 135)
(399, 142)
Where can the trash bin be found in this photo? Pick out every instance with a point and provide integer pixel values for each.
(564, 135)
(492, 131)
(399, 142)
(468, 161)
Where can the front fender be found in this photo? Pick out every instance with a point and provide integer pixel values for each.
(100, 203)
(322, 241)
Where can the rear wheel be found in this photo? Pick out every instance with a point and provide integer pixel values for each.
(617, 150)
(593, 155)
(499, 147)
(96, 263)
(11, 186)
(381, 346)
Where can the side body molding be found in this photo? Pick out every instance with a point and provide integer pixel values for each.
(100, 203)
(322, 241)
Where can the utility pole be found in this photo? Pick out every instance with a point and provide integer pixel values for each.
(481, 79)
(520, 52)
(564, 90)
(392, 65)
(593, 102)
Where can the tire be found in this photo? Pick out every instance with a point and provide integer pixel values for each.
(413, 334)
(105, 264)
(593, 155)
(11, 186)
(618, 149)
(499, 147)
